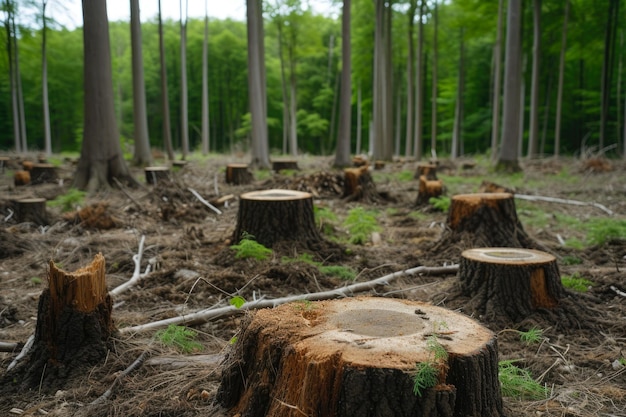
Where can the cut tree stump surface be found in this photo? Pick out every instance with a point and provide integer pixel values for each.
(43, 173)
(32, 210)
(156, 174)
(356, 357)
(238, 174)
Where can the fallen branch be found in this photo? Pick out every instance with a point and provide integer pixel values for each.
(133, 366)
(137, 275)
(177, 362)
(205, 315)
(617, 291)
(203, 201)
(127, 194)
(563, 201)
(23, 353)
(9, 346)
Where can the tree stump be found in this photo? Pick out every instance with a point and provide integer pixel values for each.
(4, 161)
(179, 163)
(43, 173)
(21, 178)
(356, 357)
(238, 174)
(73, 326)
(273, 216)
(359, 185)
(510, 282)
(284, 164)
(428, 189)
(378, 165)
(486, 220)
(156, 174)
(31, 210)
(428, 170)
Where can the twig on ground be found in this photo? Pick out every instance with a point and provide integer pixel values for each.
(8, 346)
(137, 275)
(617, 291)
(127, 194)
(563, 201)
(23, 353)
(133, 366)
(203, 201)
(205, 315)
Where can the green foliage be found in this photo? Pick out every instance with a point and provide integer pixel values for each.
(518, 383)
(237, 301)
(339, 271)
(426, 375)
(441, 203)
(361, 224)
(417, 215)
(601, 230)
(574, 243)
(534, 335)
(70, 200)
(404, 176)
(439, 352)
(571, 260)
(35, 281)
(576, 283)
(179, 337)
(250, 248)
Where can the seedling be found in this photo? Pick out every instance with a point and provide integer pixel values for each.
(339, 271)
(440, 203)
(250, 248)
(237, 301)
(179, 337)
(428, 373)
(71, 200)
(576, 283)
(571, 260)
(361, 224)
(534, 335)
(518, 383)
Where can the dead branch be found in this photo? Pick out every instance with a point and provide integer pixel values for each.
(137, 275)
(9, 347)
(205, 315)
(133, 366)
(177, 362)
(23, 353)
(563, 201)
(203, 201)
(127, 194)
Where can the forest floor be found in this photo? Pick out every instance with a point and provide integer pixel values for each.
(193, 268)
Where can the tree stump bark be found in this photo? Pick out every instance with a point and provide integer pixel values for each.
(21, 178)
(427, 190)
(357, 357)
(73, 326)
(378, 165)
(31, 210)
(273, 216)
(510, 282)
(486, 220)
(359, 185)
(179, 163)
(156, 174)
(43, 173)
(281, 165)
(4, 161)
(428, 170)
(238, 174)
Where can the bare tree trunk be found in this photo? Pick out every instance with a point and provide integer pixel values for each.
(559, 94)
(419, 87)
(533, 130)
(618, 101)
(342, 155)
(410, 84)
(165, 103)
(522, 113)
(458, 112)
(607, 68)
(388, 83)
(8, 5)
(283, 84)
(256, 83)
(142, 156)
(433, 99)
(497, 53)
(20, 94)
(293, 119)
(205, 83)
(44, 83)
(508, 159)
(359, 121)
(184, 112)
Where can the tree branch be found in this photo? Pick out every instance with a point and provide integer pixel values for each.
(563, 201)
(137, 275)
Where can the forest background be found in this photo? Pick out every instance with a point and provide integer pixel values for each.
(459, 41)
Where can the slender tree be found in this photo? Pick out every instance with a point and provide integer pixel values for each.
(20, 92)
(607, 67)
(165, 102)
(533, 133)
(508, 159)
(205, 83)
(497, 57)
(410, 84)
(9, 11)
(559, 94)
(184, 101)
(433, 102)
(457, 131)
(142, 155)
(44, 81)
(419, 87)
(383, 120)
(101, 157)
(342, 155)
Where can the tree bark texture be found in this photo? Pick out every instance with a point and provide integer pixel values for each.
(342, 153)
(428, 170)
(428, 189)
(274, 216)
(238, 174)
(73, 326)
(43, 173)
(510, 282)
(356, 357)
(154, 175)
(278, 166)
(359, 185)
(31, 210)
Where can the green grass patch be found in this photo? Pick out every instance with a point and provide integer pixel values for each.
(576, 283)
(339, 271)
(262, 174)
(601, 230)
(250, 248)
(571, 260)
(518, 383)
(361, 224)
(440, 203)
(179, 337)
(417, 215)
(404, 176)
(325, 220)
(69, 201)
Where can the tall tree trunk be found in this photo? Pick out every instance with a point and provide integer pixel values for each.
(618, 101)
(256, 85)
(457, 133)
(165, 103)
(522, 113)
(559, 94)
(419, 87)
(279, 28)
(607, 68)
(44, 82)
(293, 119)
(359, 120)
(9, 6)
(142, 156)
(433, 102)
(342, 155)
(388, 83)
(101, 157)
(383, 123)
(508, 159)
(533, 130)
(184, 112)
(497, 53)
(410, 80)
(205, 83)
(20, 93)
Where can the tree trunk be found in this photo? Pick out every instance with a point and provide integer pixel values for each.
(342, 153)
(142, 155)
(533, 130)
(419, 88)
(184, 101)
(43, 173)
(410, 80)
(429, 170)
(497, 57)
(359, 185)
(205, 84)
(457, 133)
(44, 82)
(357, 357)
(73, 326)
(433, 97)
(427, 190)
(165, 102)
(559, 94)
(509, 282)
(274, 216)
(238, 174)
(607, 68)
(32, 210)
(508, 159)
(155, 175)
(8, 6)
(101, 157)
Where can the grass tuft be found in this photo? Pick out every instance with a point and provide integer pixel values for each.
(576, 283)
(518, 383)
(361, 224)
(69, 201)
(179, 337)
(440, 203)
(250, 248)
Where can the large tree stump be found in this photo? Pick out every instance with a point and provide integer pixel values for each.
(73, 326)
(285, 164)
(429, 170)
(427, 190)
(510, 282)
(356, 357)
(21, 177)
(43, 173)
(31, 210)
(273, 216)
(359, 185)
(238, 174)
(154, 175)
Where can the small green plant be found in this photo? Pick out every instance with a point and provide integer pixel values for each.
(571, 260)
(417, 215)
(533, 335)
(404, 176)
(440, 203)
(35, 280)
(427, 373)
(250, 248)
(518, 383)
(576, 283)
(361, 224)
(70, 200)
(574, 244)
(179, 337)
(262, 174)
(342, 272)
(237, 301)
(601, 230)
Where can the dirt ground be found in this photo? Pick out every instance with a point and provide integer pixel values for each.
(193, 268)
